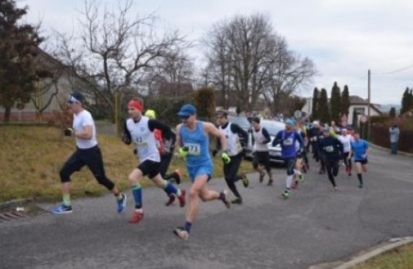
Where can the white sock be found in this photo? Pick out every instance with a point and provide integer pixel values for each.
(289, 181)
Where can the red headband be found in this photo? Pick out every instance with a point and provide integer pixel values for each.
(136, 104)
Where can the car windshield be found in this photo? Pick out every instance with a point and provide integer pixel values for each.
(273, 127)
(240, 121)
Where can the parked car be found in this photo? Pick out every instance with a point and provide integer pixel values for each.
(273, 127)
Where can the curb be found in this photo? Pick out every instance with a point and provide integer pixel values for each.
(387, 149)
(366, 255)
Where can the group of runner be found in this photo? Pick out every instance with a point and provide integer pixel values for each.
(156, 142)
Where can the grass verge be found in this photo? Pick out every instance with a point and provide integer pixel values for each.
(31, 157)
(399, 258)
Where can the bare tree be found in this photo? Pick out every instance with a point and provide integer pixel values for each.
(112, 51)
(247, 59)
(174, 69)
(286, 75)
(240, 58)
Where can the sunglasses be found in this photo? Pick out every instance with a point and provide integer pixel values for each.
(184, 117)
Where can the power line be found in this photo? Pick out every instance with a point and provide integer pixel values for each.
(395, 71)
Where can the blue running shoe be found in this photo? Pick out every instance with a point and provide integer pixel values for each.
(121, 203)
(62, 209)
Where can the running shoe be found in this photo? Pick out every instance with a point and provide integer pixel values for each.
(181, 233)
(136, 217)
(121, 203)
(62, 209)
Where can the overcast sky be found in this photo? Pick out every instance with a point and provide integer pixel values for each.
(344, 38)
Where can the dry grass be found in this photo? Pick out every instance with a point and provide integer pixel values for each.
(31, 157)
(400, 258)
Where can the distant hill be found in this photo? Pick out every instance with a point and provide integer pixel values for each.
(387, 107)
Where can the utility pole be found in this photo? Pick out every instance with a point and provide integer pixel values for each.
(369, 104)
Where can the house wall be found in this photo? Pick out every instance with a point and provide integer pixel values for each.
(28, 114)
(362, 110)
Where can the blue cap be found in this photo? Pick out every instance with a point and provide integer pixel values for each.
(187, 110)
(289, 122)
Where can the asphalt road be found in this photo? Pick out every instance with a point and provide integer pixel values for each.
(313, 226)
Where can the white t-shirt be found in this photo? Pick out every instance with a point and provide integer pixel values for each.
(81, 120)
(346, 141)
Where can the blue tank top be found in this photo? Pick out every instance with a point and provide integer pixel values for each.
(197, 143)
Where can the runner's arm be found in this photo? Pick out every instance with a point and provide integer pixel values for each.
(236, 129)
(165, 129)
(126, 136)
(211, 129)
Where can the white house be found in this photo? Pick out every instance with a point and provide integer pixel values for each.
(358, 105)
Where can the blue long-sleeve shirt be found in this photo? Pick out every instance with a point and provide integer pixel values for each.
(287, 141)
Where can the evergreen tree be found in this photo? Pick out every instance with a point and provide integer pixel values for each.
(18, 47)
(405, 102)
(335, 103)
(323, 109)
(392, 112)
(345, 101)
(314, 112)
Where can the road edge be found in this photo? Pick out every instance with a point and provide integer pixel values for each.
(366, 255)
(387, 149)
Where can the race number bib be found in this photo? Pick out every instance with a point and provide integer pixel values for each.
(193, 149)
(140, 141)
(329, 149)
(288, 142)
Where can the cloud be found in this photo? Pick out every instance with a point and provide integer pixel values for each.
(344, 38)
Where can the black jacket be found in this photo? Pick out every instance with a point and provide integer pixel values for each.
(331, 148)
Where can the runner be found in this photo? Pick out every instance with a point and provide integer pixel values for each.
(287, 138)
(193, 145)
(331, 149)
(87, 153)
(300, 164)
(260, 140)
(140, 130)
(346, 138)
(166, 151)
(233, 133)
(359, 149)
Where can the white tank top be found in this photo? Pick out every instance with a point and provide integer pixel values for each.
(258, 137)
(84, 118)
(234, 145)
(144, 139)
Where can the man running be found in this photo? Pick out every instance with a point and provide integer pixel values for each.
(87, 153)
(346, 138)
(260, 140)
(166, 149)
(233, 133)
(193, 145)
(287, 138)
(359, 149)
(331, 149)
(140, 130)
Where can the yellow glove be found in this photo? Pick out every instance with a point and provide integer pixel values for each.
(183, 152)
(225, 158)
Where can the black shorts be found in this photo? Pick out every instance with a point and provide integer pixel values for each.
(261, 158)
(150, 168)
(363, 162)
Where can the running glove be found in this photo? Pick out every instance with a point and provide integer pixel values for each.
(183, 152)
(225, 158)
(126, 139)
(68, 132)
